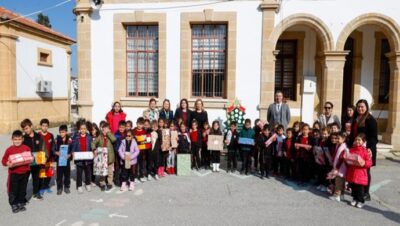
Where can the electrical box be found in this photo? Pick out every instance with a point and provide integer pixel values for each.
(309, 84)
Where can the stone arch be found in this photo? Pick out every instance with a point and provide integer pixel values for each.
(308, 20)
(389, 27)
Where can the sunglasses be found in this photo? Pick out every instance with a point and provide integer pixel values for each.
(128, 136)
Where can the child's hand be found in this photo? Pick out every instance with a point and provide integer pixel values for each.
(57, 153)
(69, 156)
(8, 163)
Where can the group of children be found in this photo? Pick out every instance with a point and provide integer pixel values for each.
(149, 151)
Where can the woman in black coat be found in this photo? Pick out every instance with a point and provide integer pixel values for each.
(199, 113)
(184, 113)
(365, 123)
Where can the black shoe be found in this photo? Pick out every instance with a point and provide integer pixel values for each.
(367, 197)
(59, 191)
(103, 188)
(262, 177)
(37, 197)
(67, 191)
(21, 207)
(15, 208)
(109, 187)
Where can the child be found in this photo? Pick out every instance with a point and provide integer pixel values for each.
(205, 154)
(129, 125)
(255, 153)
(81, 142)
(48, 139)
(247, 132)
(289, 154)
(339, 167)
(277, 157)
(335, 128)
(106, 140)
(63, 172)
(231, 140)
(215, 154)
(17, 175)
(171, 152)
(305, 156)
(94, 132)
(139, 132)
(321, 165)
(296, 129)
(196, 143)
(148, 158)
(128, 149)
(165, 142)
(357, 176)
(265, 152)
(119, 136)
(35, 142)
(183, 140)
(154, 153)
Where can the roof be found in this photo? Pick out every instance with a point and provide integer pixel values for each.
(6, 14)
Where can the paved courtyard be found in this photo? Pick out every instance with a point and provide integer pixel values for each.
(206, 198)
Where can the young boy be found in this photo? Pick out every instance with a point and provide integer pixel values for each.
(247, 132)
(139, 132)
(231, 140)
(63, 172)
(119, 136)
(151, 171)
(17, 176)
(48, 139)
(106, 140)
(278, 151)
(81, 143)
(265, 152)
(196, 141)
(35, 142)
(289, 154)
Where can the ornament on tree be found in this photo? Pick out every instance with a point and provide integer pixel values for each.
(235, 112)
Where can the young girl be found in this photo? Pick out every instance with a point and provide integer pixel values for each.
(195, 140)
(171, 152)
(183, 140)
(114, 116)
(256, 150)
(289, 154)
(163, 135)
(94, 132)
(128, 151)
(205, 154)
(155, 150)
(339, 167)
(296, 129)
(321, 165)
(215, 154)
(305, 156)
(357, 175)
(265, 152)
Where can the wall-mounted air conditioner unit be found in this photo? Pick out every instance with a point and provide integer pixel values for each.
(44, 87)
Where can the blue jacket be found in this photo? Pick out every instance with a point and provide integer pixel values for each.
(167, 115)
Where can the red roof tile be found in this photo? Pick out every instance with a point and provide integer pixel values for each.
(6, 14)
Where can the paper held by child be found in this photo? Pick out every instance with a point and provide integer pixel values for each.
(354, 159)
(270, 140)
(83, 155)
(166, 140)
(24, 158)
(39, 158)
(63, 158)
(174, 139)
(127, 160)
(319, 155)
(246, 141)
(215, 142)
(100, 163)
(305, 146)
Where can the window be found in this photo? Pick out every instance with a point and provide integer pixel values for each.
(142, 60)
(384, 73)
(285, 68)
(44, 57)
(209, 60)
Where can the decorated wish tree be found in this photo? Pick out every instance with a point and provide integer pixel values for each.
(235, 112)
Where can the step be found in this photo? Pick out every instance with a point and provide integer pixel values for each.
(381, 147)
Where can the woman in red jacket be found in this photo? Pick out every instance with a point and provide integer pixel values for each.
(357, 174)
(114, 116)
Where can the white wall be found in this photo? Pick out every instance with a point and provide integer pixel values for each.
(29, 72)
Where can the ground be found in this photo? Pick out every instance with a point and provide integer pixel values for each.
(206, 198)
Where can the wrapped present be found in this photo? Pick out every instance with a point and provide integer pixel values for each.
(183, 164)
(49, 171)
(270, 140)
(260, 124)
(305, 146)
(63, 158)
(100, 162)
(24, 158)
(127, 160)
(39, 158)
(354, 159)
(83, 155)
(215, 142)
(154, 137)
(246, 141)
(42, 173)
(319, 155)
(174, 139)
(166, 140)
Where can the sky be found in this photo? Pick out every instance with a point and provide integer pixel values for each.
(61, 18)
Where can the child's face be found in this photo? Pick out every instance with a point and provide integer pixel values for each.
(117, 107)
(215, 126)
(305, 130)
(183, 128)
(233, 127)
(146, 125)
(334, 139)
(316, 135)
(325, 134)
(63, 133)
(266, 132)
(28, 130)
(289, 134)
(335, 129)
(44, 127)
(140, 125)
(161, 124)
(247, 125)
(206, 126)
(83, 130)
(105, 130)
(358, 141)
(166, 105)
(17, 141)
(280, 132)
(296, 127)
(128, 126)
(194, 126)
(129, 136)
(172, 126)
(155, 126)
(350, 112)
(340, 139)
(122, 128)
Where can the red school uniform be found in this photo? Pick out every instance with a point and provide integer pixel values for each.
(302, 152)
(48, 139)
(16, 150)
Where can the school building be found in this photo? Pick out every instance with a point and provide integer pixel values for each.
(35, 70)
(314, 51)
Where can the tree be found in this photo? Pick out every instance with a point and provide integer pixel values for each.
(43, 20)
(235, 112)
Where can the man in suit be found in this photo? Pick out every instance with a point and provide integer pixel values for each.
(278, 112)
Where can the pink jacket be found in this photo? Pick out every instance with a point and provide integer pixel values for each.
(134, 151)
(342, 168)
(358, 174)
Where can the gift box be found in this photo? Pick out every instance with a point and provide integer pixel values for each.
(246, 141)
(174, 139)
(166, 140)
(24, 158)
(215, 142)
(100, 162)
(42, 173)
(270, 140)
(354, 159)
(39, 158)
(83, 155)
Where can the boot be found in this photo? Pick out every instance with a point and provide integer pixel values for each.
(217, 167)
(214, 167)
(173, 170)
(162, 171)
(123, 186)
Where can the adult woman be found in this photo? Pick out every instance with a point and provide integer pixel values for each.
(114, 116)
(327, 118)
(166, 112)
(151, 113)
(199, 113)
(184, 113)
(365, 123)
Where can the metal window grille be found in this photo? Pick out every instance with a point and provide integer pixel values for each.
(142, 60)
(209, 60)
(285, 68)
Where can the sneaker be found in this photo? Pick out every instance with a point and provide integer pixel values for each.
(41, 192)
(137, 181)
(37, 197)
(149, 178)
(48, 190)
(93, 184)
(67, 191)
(21, 207)
(367, 197)
(142, 180)
(80, 190)
(156, 177)
(15, 208)
(334, 198)
(353, 203)
(319, 187)
(123, 187)
(102, 188)
(359, 205)
(131, 186)
(88, 188)
(59, 191)
(108, 187)
(323, 189)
